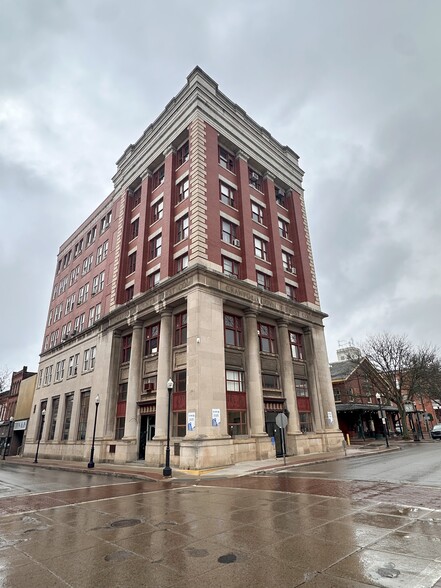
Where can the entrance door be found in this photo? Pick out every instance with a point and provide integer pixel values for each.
(146, 433)
(274, 431)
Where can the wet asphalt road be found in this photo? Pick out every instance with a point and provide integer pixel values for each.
(338, 529)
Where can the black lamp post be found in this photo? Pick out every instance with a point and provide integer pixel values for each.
(11, 420)
(167, 471)
(383, 418)
(91, 463)
(43, 414)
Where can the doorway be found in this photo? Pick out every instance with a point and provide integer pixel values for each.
(146, 433)
(274, 431)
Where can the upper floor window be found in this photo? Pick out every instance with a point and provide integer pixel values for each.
(230, 267)
(301, 387)
(295, 341)
(260, 248)
(183, 153)
(129, 293)
(226, 159)
(126, 348)
(132, 263)
(89, 359)
(78, 248)
(227, 195)
(257, 213)
(91, 236)
(291, 292)
(263, 280)
(154, 279)
(182, 228)
(234, 381)
(283, 228)
(157, 210)
(74, 275)
(228, 232)
(73, 365)
(151, 339)
(337, 395)
(180, 328)
(281, 197)
(134, 229)
(59, 370)
(105, 222)
(87, 264)
(155, 246)
(270, 382)
(182, 190)
(101, 252)
(267, 338)
(288, 262)
(158, 177)
(135, 197)
(181, 263)
(255, 179)
(233, 332)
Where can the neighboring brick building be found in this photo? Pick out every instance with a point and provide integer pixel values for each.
(197, 267)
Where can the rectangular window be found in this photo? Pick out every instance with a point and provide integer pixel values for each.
(154, 279)
(257, 213)
(59, 370)
(126, 348)
(227, 195)
(157, 210)
(72, 369)
(255, 179)
(158, 177)
(121, 411)
(98, 312)
(84, 411)
(131, 263)
(291, 292)
(267, 338)
(151, 339)
(182, 228)
(233, 332)
(305, 422)
(181, 263)
(87, 264)
(91, 236)
(226, 159)
(301, 388)
(180, 329)
(83, 294)
(67, 416)
(230, 267)
(260, 248)
(228, 231)
(134, 229)
(155, 247)
(101, 282)
(53, 421)
(182, 154)
(86, 360)
(182, 191)
(295, 341)
(283, 228)
(135, 198)
(101, 252)
(237, 423)
(91, 316)
(179, 423)
(105, 222)
(288, 262)
(270, 382)
(281, 197)
(234, 381)
(263, 280)
(129, 293)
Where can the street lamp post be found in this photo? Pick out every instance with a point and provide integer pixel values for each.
(167, 471)
(43, 414)
(383, 418)
(91, 463)
(11, 420)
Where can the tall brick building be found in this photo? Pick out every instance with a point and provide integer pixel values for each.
(197, 267)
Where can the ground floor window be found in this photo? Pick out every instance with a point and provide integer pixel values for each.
(119, 429)
(179, 424)
(305, 419)
(67, 416)
(237, 423)
(121, 411)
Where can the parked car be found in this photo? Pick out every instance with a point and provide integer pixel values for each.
(398, 429)
(436, 432)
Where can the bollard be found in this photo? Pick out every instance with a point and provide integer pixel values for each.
(348, 439)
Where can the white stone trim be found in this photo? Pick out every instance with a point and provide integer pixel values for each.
(233, 256)
(157, 198)
(224, 180)
(182, 213)
(227, 217)
(182, 177)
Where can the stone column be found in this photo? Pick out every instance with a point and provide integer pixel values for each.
(313, 382)
(110, 398)
(163, 374)
(323, 376)
(254, 380)
(134, 384)
(287, 373)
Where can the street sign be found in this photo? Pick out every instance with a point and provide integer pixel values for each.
(281, 420)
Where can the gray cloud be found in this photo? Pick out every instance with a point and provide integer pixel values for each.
(352, 87)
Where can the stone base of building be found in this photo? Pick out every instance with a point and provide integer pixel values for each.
(307, 443)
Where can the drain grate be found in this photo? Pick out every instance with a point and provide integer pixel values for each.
(125, 523)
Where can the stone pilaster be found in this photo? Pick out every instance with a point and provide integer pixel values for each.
(134, 385)
(254, 383)
(164, 373)
(287, 373)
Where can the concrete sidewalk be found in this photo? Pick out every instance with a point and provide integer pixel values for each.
(138, 470)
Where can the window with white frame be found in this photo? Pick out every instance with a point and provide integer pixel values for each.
(59, 370)
(83, 294)
(155, 247)
(234, 381)
(157, 210)
(101, 252)
(105, 222)
(72, 369)
(260, 248)
(257, 212)
(228, 231)
(288, 262)
(227, 195)
(182, 190)
(91, 236)
(181, 263)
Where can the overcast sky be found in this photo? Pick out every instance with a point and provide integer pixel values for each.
(354, 87)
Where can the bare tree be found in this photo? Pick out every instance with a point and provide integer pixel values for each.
(406, 373)
(5, 375)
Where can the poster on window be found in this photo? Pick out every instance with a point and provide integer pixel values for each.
(215, 417)
(191, 421)
(330, 418)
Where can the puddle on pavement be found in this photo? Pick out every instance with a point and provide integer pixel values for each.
(388, 571)
(118, 556)
(193, 552)
(227, 558)
(125, 523)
